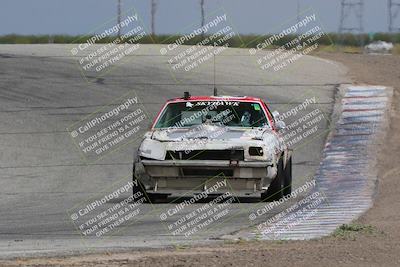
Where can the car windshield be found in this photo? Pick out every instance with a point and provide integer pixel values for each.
(228, 113)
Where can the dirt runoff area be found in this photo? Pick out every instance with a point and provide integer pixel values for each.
(374, 239)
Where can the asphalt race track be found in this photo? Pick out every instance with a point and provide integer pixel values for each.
(42, 175)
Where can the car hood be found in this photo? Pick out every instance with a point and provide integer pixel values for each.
(210, 132)
(210, 137)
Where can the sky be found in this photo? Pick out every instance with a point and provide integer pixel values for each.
(173, 16)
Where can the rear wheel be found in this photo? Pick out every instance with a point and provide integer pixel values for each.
(275, 189)
(282, 184)
(288, 178)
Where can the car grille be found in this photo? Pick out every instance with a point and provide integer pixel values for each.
(206, 155)
(206, 172)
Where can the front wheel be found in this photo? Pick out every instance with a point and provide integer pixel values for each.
(138, 186)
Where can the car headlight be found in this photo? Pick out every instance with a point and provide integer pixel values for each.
(256, 151)
(152, 149)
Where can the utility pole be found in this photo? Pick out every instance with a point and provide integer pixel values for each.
(153, 14)
(394, 9)
(202, 16)
(298, 11)
(351, 18)
(202, 12)
(119, 18)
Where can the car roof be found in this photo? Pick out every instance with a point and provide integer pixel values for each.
(216, 98)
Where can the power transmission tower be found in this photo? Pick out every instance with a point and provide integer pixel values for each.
(153, 14)
(351, 18)
(119, 18)
(394, 9)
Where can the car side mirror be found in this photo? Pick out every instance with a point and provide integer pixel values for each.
(280, 125)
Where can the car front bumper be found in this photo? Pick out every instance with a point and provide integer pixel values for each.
(195, 175)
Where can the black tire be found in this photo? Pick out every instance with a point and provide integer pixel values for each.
(150, 198)
(288, 178)
(276, 188)
(157, 198)
(139, 187)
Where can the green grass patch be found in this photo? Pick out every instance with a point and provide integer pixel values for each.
(396, 49)
(343, 49)
(345, 43)
(349, 231)
(249, 40)
(181, 247)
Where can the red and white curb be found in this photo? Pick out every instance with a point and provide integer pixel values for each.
(347, 176)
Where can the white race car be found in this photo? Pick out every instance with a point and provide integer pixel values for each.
(196, 143)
